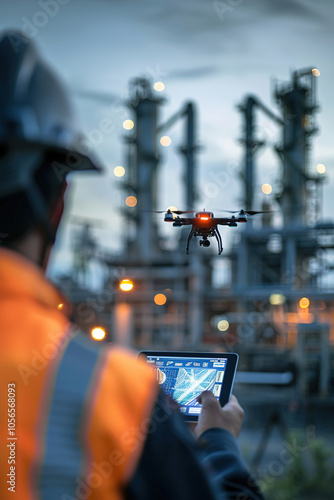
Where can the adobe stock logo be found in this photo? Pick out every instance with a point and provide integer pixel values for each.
(40, 18)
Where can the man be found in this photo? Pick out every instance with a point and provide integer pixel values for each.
(80, 421)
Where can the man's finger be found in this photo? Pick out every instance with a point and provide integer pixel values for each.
(205, 396)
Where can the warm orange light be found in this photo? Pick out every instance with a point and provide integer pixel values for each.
(315, 72)
(223, 325)
(119, 171)
(321, 169)
(304, 303)
(126, 285)
(128, 124)
(131, 201)
(98, 333)
(159, 86)
(277, 299)
(60, 306)
(165, 141)
(266, 188)
(204, 218)
(160, 299)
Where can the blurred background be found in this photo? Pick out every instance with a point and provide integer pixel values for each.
(215, 105)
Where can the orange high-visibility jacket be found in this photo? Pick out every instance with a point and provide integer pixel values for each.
(70, 410)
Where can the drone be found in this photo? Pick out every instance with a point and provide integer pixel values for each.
(205, 224)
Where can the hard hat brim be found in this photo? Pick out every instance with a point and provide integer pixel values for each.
(83, 161)
(22, 160)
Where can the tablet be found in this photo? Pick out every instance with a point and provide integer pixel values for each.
(184, 375)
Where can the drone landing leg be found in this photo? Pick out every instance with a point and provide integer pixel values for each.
(188, 240)
(219, 241)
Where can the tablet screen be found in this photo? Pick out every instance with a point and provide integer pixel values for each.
(185, 378)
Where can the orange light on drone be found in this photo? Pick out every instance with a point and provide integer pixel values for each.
(204, 218)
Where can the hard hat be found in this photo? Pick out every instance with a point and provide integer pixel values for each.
(36, 119)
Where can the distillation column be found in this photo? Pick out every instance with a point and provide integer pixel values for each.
(298, 105)
(145, 106)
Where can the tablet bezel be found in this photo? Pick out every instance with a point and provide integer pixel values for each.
(230, 371)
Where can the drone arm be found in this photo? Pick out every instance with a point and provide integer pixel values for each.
(224, 221)
(186, 221)
(178, 222)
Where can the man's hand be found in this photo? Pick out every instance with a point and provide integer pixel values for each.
(213, 415)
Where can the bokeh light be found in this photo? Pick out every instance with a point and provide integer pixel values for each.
(119, 171)
(98, 333)
(159, 86)
(223, 325)
(304, 303)
(160, 299)
(131, 201)
(315, 72)
(165, 141)
(277, 299)
(321, 169)
(126, 285)
(266, 188)
(128, 124)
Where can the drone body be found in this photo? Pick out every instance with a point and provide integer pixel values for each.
(205, 224)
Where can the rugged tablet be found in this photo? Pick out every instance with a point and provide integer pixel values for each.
(184, 375)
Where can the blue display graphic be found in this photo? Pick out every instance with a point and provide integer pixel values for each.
(185, 378)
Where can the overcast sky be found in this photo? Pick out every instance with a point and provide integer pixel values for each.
(210, 52)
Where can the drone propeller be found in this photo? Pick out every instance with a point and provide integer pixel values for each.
(177, 212)
(248, 212)
(180, 212)
(254, 212)
(154, 211)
